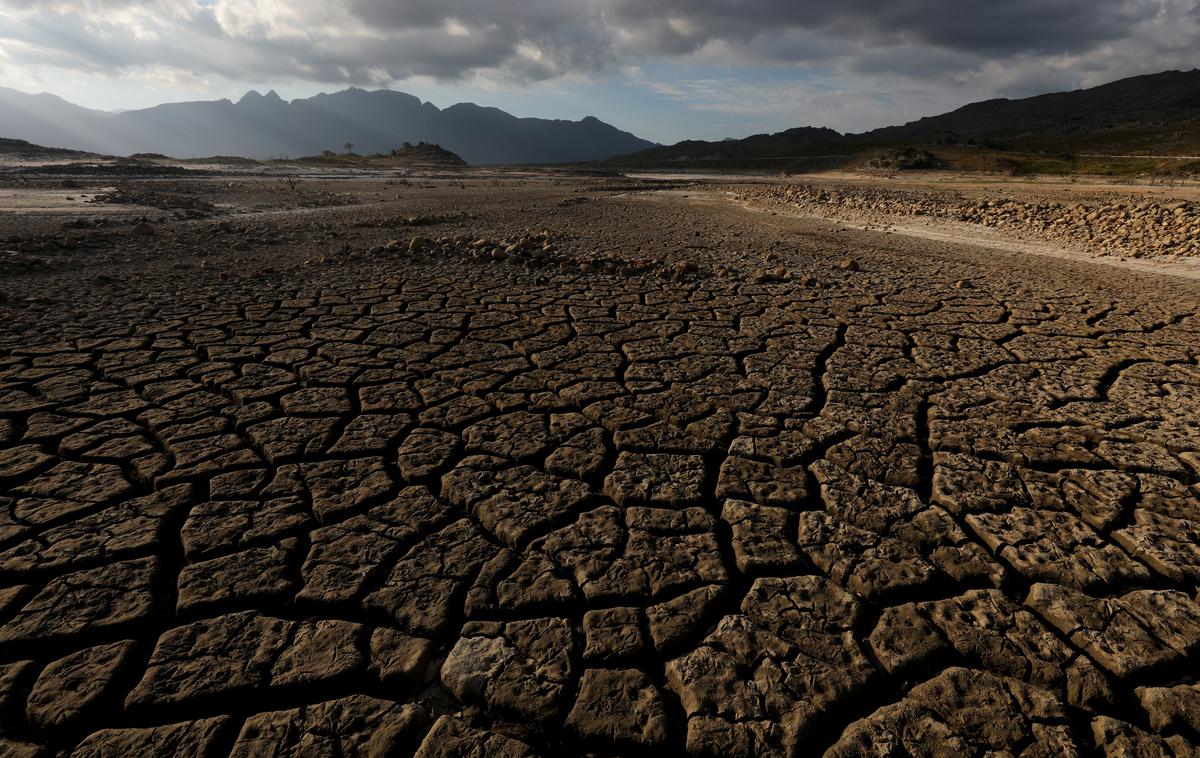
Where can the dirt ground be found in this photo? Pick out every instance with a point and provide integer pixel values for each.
(525, 464)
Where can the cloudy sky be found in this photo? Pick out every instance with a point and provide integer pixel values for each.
(665, 69)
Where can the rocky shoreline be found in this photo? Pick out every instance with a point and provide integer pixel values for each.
(1133, 227)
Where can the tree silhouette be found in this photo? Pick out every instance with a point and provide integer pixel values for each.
(349, 147)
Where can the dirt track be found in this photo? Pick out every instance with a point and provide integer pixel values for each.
(274, 486)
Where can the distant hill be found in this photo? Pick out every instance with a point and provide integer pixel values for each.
(27, 150)
(422, 154)
(426, 153)
(1155, 99)
(266, 126)
(1147, 115)
(800, 140)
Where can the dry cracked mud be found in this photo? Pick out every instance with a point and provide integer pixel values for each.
(559, 476)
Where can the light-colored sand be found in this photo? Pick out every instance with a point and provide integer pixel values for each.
(54, 201)
(962, 234)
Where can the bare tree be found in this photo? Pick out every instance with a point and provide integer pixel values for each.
(349, 147)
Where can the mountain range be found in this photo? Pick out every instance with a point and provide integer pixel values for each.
(1156, 115)
(266, 126)
(1164, 98)
(1151, 114)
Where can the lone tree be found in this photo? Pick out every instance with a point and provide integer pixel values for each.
(349, 147)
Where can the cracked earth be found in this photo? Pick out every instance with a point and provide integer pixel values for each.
(284, 487)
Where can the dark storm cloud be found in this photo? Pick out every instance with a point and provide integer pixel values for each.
(374, 40)
(991, 28)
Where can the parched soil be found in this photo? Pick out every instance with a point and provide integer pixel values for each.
(574, 467)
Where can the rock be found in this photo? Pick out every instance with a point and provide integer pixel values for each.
(108, 598)
(355, 725)
(674, 622)
(764, 677)
(319, 652)
(761, 482)
(451, 737)
(656, 479)
(878, 539)
(399, 658)
(217, 526)
(17, 749)
(1126, 635)
(522, 668)
(963, 712)
(1171, 709)
(521, 436)
(613, 634)
(1119, 738)
(73, 687)
(512, 502)
(765, 276)
(848, 264)
(982, 627)
(135, 525)
(425, 452)
(1056, 547)
(15, 680)
(290, 438)
(620, 707)
(759, 541)
(199, 737)
(244, 652)
(336, 489)
(245, 578)
(344, 557)
(423, 591)
(1169, 546)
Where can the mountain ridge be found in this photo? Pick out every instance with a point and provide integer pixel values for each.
(1165, 97)
(1147, 113)
(266, 126)
(1132, 113)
